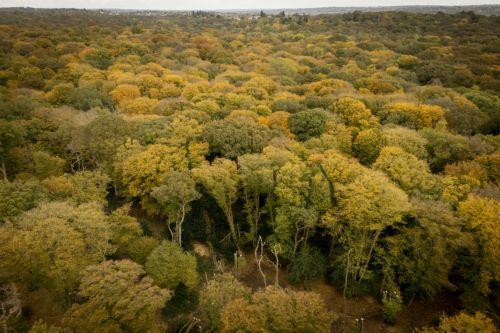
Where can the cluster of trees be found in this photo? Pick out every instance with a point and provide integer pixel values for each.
(359, 148)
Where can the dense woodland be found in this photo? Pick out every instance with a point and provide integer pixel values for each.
(255, 173)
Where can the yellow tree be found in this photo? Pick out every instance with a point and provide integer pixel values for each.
(365, 207)
(412, 115)
(367, 145)
(145, 170)
(186, 134)
(410, 173)
(48, 246)
(141, 105)
(364, 202)
(117, 296)
(463, 323)
(277, 310)
(481, 216)
(125, 92)
(354, 113)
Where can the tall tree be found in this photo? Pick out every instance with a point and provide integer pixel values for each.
(220, 180)
(175, 196)
(481, 218)
(365, 206)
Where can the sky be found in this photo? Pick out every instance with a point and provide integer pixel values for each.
(225, 4)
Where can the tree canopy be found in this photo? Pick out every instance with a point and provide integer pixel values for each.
(242, 172)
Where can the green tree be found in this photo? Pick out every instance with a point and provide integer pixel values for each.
(490, 105)
(258, 174)
(419, 255)
(46, 165)
(444, 148)
(175, 196)
(124, 228)
(367, 145)
(220, 179)
(138, 249)
(168, 265)
(90, 95)
(62, 94)
(308, 124)
(234, 137)
(297, 207)
(100, 58)
(31, 77)
(96, 143)
(309, 264)
(11, 135)
(409, 140)
(257, 178)
(19, 196)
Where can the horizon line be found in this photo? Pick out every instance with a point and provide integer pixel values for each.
(247, 8)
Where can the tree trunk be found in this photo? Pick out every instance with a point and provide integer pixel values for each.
(347, 273)
(256, 217)
(115, 188)
(306, 237)
(276, 251)
(377, 234)
(258, 258)
(4, 172)
(253, 215)
(171, 231)
(179, 226)
(230, 221)
(359, 257)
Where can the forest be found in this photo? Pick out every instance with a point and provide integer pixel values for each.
(199, 172)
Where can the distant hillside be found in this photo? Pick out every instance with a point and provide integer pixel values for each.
(478, 9)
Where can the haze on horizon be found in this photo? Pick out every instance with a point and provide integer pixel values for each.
(235, 4)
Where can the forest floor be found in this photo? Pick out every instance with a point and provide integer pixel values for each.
(419, 313)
